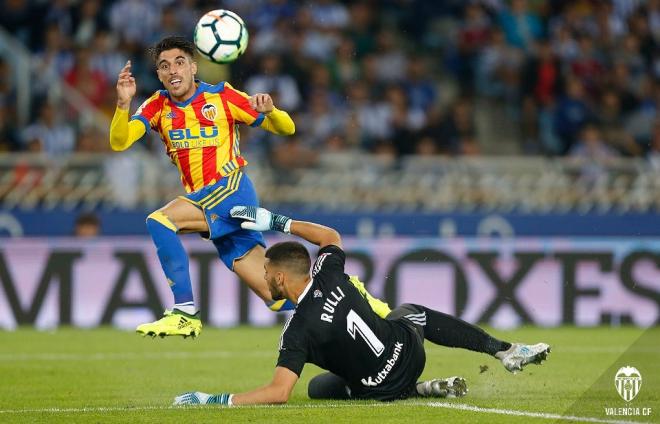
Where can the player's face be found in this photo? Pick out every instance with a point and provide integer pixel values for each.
(274, 279)
(176, 70)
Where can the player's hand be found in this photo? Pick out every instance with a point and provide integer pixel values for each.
(260, 219)
(126, 87)
(262, 103)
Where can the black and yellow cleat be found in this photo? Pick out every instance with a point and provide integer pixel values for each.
(173, 323)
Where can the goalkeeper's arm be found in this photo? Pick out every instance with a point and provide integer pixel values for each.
(276, 392)
(260, 219)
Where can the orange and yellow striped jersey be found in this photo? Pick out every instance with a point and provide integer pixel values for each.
(201, 134)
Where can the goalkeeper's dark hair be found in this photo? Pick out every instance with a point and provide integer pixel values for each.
(290, 254)
(172, 42)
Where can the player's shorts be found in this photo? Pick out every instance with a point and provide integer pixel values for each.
(412, 316)
(231, 241)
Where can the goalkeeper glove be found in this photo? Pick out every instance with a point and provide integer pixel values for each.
(200, 398)
(260, 219)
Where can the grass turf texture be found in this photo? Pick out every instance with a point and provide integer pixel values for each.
(121, 377)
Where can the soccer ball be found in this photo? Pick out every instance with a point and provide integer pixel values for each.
(221, 36)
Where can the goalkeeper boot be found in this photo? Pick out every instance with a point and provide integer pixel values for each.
(173, 323)
(519, 355)
(442, 387)
(381, 308)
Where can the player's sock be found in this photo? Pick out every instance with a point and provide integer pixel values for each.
(173, 259)
(450, 331)
(187, 308)
(281, 305)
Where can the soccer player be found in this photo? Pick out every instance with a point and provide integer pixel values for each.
(198, 123)
(333, 327)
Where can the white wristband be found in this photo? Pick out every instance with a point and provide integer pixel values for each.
(287, 226)
(229, 401)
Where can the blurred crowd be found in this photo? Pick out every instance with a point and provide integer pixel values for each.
(394, 77)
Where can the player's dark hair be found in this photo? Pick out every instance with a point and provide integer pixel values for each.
(290, 254)
(87, 219)
(173, 42)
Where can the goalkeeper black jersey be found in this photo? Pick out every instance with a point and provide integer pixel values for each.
(334, 327)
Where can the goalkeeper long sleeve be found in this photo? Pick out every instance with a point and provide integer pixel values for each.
(279, 122)
(123, 133)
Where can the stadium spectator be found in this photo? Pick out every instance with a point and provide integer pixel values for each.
(51, 62)
(458, 128)
(9, 140)
(420, 88)
(88, 21)
(7, 87)
(135, 20)
(87, 225)
(521, 26)
(653, 154)
(571, 114)
(270, 79)
(49, 134)
(88, 81)
(524, 57)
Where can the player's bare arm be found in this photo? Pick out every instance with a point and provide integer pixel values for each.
(317, 234)
(277, 391)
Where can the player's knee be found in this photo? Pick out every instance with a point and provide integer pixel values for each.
(315, 389)
(327, 386)
(156, 220)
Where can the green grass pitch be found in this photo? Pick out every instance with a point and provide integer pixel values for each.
(105, 375)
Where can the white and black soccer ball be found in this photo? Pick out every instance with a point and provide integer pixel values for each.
(221, 36)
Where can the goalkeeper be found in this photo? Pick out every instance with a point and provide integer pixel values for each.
(367, 357)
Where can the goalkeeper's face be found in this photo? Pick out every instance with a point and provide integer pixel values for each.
(275, 280)
(176, 70)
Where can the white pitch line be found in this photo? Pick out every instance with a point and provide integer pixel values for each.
(131, 355)
(456, 406)
(530, 414)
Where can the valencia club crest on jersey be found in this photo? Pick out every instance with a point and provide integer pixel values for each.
(318, 293)
(209, 111)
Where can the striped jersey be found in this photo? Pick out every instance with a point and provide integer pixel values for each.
(201, 134)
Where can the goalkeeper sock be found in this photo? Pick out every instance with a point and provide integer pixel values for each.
(446, 330)
(173, 259)
(281, 305)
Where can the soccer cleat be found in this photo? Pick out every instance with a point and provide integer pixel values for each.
(173, 323)
(381, 308)
(442, 387)
(520, 355)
